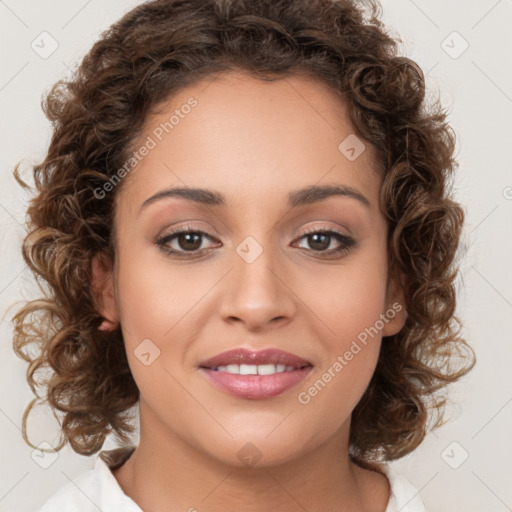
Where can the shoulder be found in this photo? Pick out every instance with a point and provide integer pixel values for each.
(96, 489)
(404, 497)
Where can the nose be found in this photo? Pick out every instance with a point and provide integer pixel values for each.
(257, 292)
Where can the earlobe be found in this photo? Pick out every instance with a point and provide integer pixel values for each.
(104, 292)
(396, 312)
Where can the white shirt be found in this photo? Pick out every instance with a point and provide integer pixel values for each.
(98, 489)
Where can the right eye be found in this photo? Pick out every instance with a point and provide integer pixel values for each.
(187, 242)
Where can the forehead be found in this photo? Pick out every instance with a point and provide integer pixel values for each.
(245, 136)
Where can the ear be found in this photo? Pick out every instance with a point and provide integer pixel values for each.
(395, 313)
(104, 291)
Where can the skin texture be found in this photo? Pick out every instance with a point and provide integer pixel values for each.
(254, 142)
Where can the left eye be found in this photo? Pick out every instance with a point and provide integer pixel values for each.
(320, 241)
(189, 242)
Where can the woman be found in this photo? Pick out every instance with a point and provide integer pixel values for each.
(245, 223)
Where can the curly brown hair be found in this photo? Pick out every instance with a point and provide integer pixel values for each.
(153, 51)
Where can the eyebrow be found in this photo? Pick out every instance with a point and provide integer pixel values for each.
(304, 196)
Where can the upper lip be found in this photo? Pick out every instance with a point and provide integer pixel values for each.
(245, 356)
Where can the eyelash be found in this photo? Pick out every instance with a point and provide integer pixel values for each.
(346, 242)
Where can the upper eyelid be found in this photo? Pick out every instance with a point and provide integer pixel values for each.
(187, 229)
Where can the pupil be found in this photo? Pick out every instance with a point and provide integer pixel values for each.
(322, 245)
(189, 240)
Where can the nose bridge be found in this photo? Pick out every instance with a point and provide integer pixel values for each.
(254, 262)
(256, 293)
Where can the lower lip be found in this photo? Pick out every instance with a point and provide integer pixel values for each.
(256, 387)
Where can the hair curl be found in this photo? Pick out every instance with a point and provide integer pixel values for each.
(153, 51)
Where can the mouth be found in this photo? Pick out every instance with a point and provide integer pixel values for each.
(255, 369)
(255, 375)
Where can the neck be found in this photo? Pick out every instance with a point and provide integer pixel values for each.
(167, 473)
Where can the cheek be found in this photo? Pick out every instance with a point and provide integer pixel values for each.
(153, 308)
(166, 304)
(350, 351)
(154, 296)
(351, 298)
(350, 329)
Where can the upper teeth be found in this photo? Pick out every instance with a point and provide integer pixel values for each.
(255, 369)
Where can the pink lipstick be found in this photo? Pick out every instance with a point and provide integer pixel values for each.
(255, 375)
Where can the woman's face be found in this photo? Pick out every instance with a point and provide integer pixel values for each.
(257, 279)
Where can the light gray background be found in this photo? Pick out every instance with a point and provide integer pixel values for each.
(477, 89)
